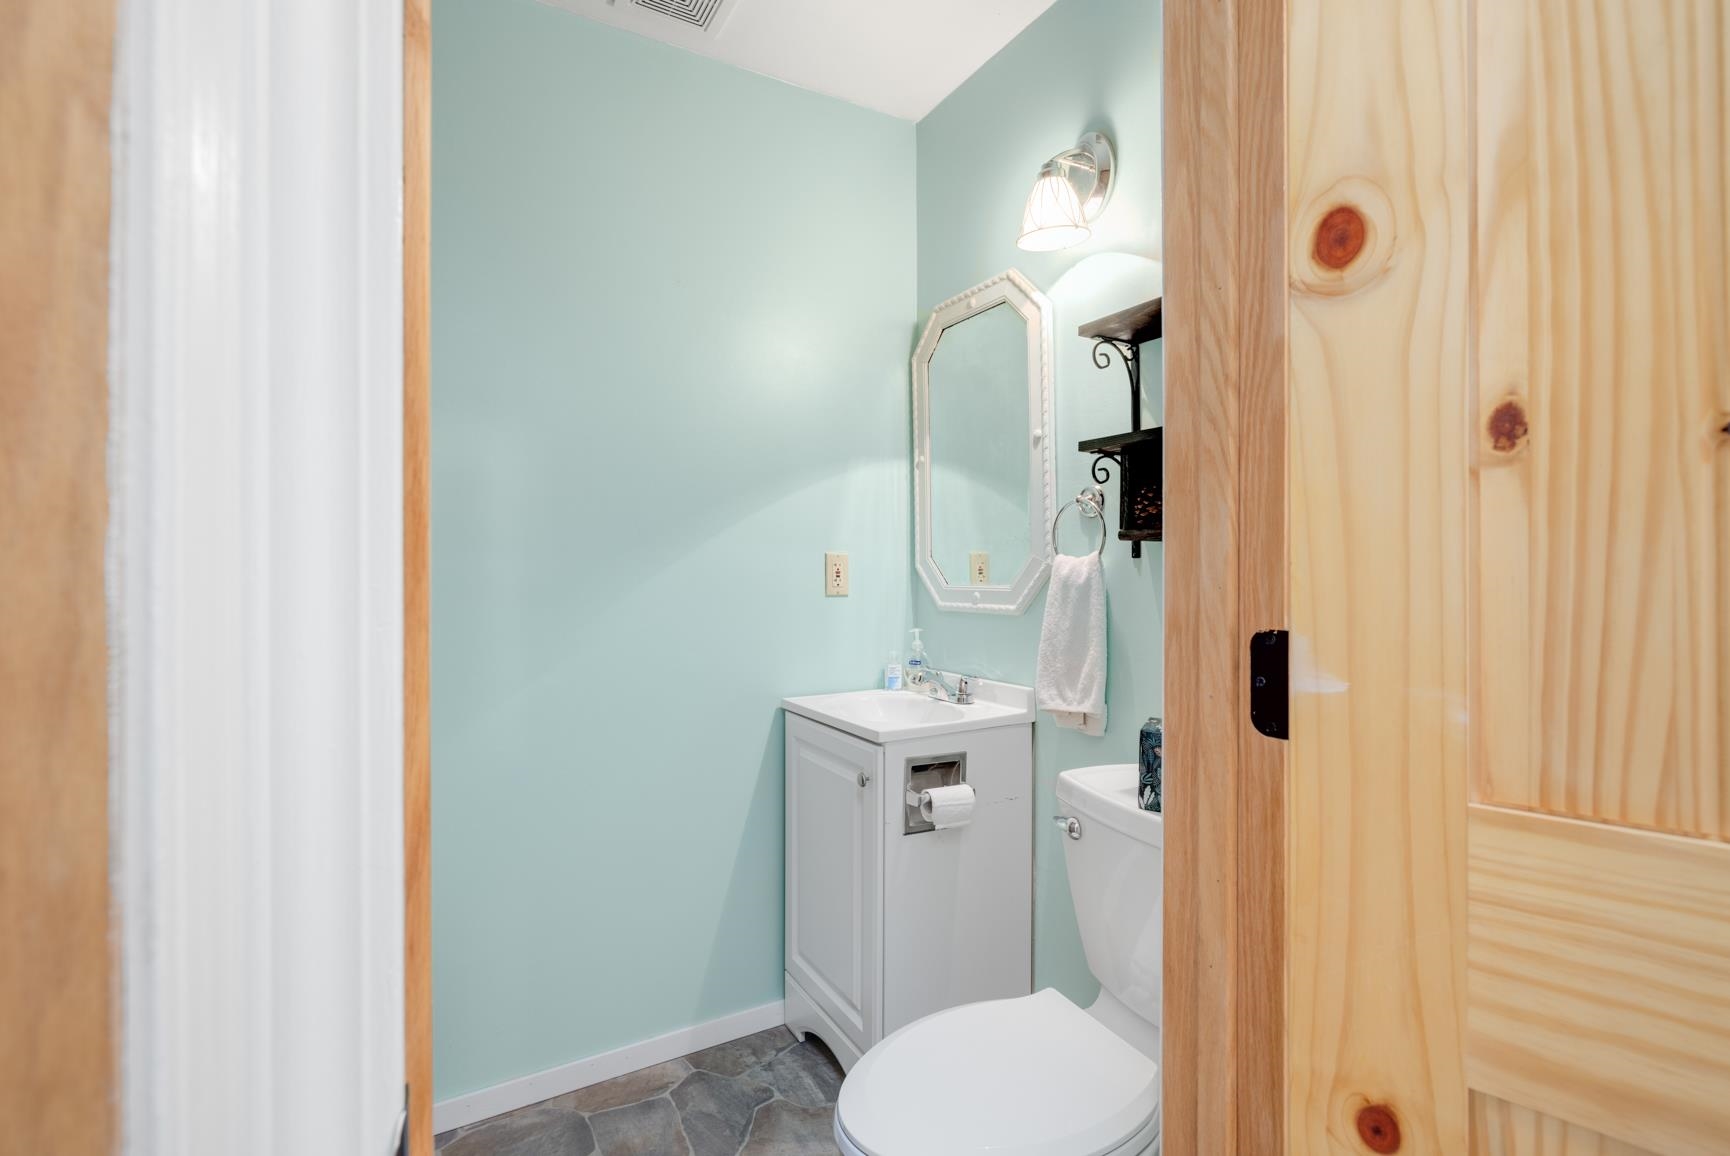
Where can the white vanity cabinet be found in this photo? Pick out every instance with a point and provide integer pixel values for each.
(835, 875)
(887, 919)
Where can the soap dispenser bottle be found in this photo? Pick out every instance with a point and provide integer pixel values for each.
(916, 661)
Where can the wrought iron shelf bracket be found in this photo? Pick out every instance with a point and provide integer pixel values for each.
(1102, 471)
(1130, 355)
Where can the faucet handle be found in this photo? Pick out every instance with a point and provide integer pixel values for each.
(963, 690)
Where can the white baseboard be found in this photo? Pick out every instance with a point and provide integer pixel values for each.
(459, 1111)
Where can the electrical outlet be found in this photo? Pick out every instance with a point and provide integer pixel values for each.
(835, 575)
(979, 568)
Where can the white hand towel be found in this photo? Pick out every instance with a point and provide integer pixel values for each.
(1071, 679)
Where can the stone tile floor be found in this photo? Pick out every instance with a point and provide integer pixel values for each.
(764, 1095)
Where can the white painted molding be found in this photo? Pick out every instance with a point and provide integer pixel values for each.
(459, 1111)
(1010, 287)
(255, 575)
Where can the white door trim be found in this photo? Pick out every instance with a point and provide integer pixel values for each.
(255, 574)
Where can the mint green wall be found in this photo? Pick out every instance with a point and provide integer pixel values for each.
(1084, 64)
(669, 372)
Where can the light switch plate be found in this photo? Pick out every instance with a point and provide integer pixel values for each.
(835, 575)
(979, 568)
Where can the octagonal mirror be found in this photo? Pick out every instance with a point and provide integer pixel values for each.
(981, 447)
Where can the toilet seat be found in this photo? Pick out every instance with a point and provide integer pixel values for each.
(1034, 1076)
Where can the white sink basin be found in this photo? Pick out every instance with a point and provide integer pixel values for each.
(888, 716)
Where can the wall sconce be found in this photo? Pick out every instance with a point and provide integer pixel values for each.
(1068, 196)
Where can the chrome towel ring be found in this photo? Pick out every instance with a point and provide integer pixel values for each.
(1091, 503)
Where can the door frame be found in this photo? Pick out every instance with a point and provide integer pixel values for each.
(417, 564)
(58, 967)
(1225, 574)
(212, 614)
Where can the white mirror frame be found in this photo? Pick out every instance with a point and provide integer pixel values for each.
(1015, 290)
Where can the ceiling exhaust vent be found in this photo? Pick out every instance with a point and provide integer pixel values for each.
(697, 13)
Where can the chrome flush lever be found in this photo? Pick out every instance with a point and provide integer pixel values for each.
(1070, 824)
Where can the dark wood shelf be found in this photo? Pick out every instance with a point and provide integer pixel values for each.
(1135, 325)
(1114, 442)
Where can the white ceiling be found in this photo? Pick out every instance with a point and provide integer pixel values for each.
(896, 56)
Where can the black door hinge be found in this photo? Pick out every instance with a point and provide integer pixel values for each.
(1270, 684)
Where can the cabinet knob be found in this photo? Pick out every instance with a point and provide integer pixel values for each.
(1071, 825)
(864, 780)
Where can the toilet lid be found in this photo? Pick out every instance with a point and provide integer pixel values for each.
(1034, 1076)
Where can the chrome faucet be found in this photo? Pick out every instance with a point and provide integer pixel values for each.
(961, 694)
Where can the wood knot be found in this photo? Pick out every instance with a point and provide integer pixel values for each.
(1508, 427)
(1379, 1128)
(1340, 237)
(1343, 239)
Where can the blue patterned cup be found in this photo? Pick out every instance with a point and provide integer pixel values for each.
(1152, 766)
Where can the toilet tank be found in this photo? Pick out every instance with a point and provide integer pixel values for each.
(1116, 877)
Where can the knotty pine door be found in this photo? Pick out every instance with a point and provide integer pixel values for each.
(1598, 872)
(1508, 900)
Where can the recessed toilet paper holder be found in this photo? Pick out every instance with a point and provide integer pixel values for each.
(922, 774)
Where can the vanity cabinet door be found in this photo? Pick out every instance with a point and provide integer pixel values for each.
(834, 874)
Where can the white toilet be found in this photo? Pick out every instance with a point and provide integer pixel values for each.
(1038, 1076)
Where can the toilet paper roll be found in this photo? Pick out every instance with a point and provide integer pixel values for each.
(945, 807)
